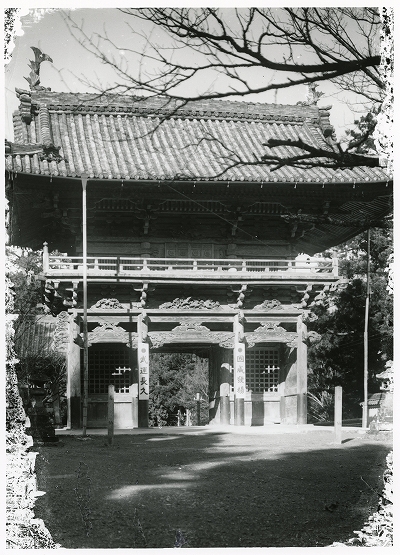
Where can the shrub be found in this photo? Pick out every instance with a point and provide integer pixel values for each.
(321, 406)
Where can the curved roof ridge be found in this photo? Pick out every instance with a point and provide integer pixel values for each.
(205, 140)
(164, 106)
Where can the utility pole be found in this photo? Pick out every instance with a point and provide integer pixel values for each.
(365, 404)
(84, 178)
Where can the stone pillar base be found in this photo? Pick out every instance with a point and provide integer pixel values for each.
(143, 413)
(225, 410)
(302, 408)
(239, 412)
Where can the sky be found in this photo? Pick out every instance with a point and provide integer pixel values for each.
(47, 30)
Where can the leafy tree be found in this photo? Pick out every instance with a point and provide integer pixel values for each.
(196, 381)
(23, 266)
(166, 380)
(339, 317)
(25, 292)
(360, 138)
(15, 414)
(174, 381)
(46, 370)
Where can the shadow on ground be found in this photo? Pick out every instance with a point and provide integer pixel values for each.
(209, 489)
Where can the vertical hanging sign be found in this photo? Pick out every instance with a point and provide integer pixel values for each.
(144, 371)
(239, 367)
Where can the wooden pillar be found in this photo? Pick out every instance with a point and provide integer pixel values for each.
(213, 385)
(134, 391)
(143, 372)
(301, 372)
(239, 365)
(74, 417)
(225, 388)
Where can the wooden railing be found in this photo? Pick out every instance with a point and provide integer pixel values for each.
(122, 265)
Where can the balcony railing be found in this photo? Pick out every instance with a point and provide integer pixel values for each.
(126, 266)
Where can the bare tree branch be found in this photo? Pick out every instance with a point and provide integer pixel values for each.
(226, 40)
(336, 158)
(211, 53)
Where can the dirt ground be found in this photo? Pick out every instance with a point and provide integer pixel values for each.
(206, 488)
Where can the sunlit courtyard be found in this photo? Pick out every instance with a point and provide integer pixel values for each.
(196, 487)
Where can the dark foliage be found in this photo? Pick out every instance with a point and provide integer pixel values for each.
(27, 288)
(338, 358)
(174, 381)
(15, 414)
(360, 137)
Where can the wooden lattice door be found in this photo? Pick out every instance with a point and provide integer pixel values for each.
(110, 364)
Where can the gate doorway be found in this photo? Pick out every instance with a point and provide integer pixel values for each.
(179, 384)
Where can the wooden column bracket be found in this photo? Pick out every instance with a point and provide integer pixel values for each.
(143, 327)
(244, 289)
(73, 300)
(306, 296)
(144, 290)
(146, 214)
(236, 224)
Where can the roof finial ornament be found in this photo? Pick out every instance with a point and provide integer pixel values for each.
(34, 79)
(312, 96)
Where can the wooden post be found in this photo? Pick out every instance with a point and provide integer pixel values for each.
(74, 406)
(225, 381)
(143, 354)
(301, 372)
(134, 388)
(224, 400)
(239, 364)
(45, 257)
(110, 414)
(198, 408)
(338, 414)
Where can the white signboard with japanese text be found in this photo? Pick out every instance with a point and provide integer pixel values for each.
(144, 371)
(239, 363)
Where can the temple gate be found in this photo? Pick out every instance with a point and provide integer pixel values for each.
(188, 245)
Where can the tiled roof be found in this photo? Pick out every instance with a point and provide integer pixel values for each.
(131, 138)
(35, 336)
(376, 399)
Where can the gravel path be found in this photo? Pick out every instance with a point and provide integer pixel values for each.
(206, 488)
